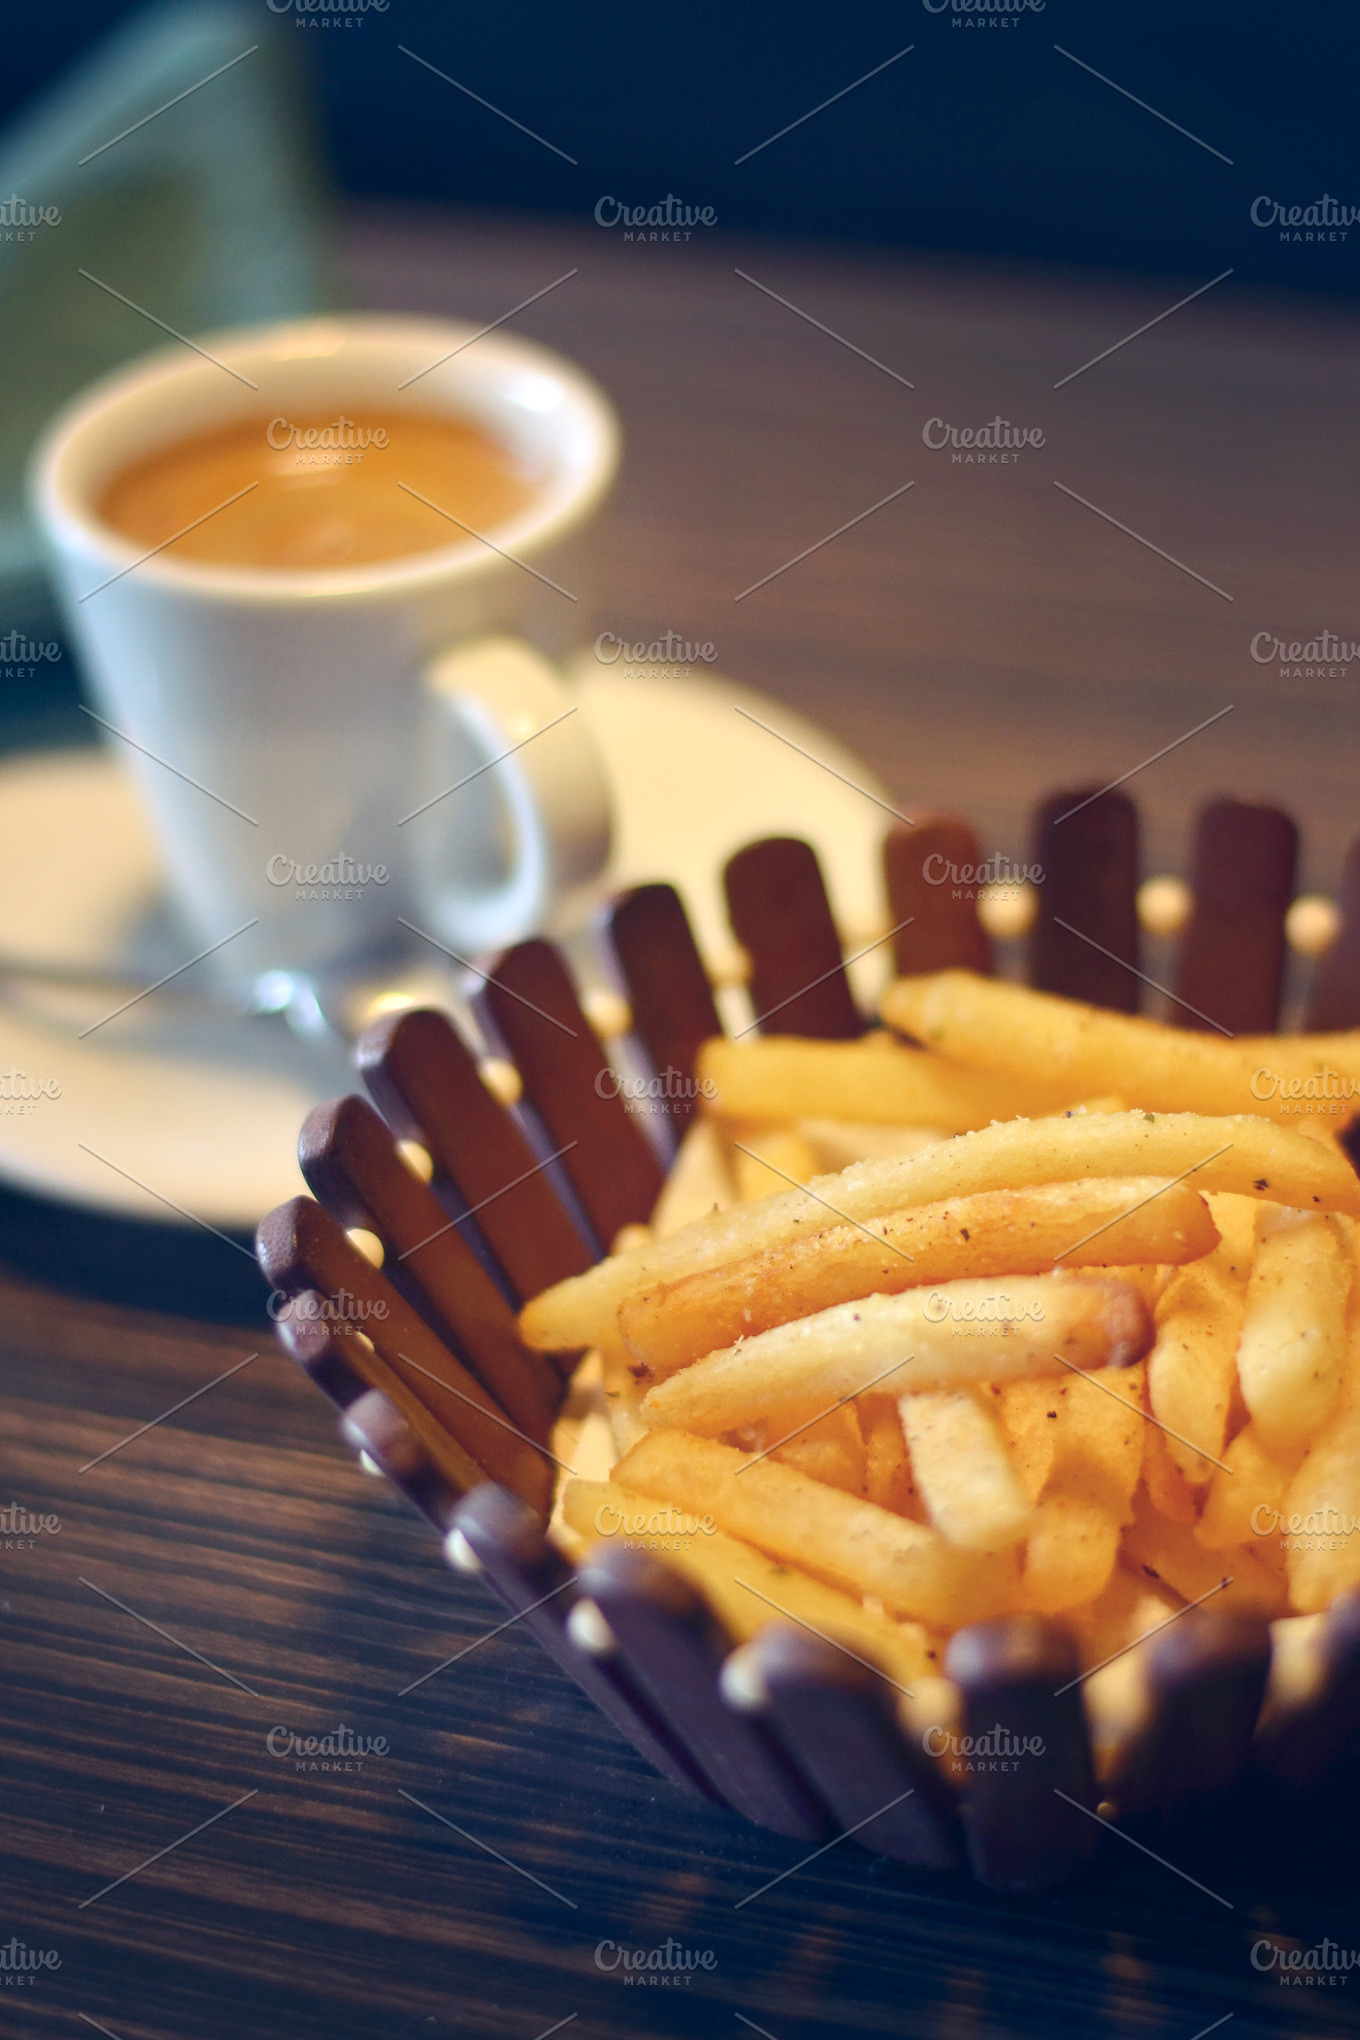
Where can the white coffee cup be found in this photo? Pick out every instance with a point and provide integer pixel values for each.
(372, 728)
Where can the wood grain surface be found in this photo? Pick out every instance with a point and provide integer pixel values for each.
(329, 1904)
(982, 639)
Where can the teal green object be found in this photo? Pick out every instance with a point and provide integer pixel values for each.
(209, 213)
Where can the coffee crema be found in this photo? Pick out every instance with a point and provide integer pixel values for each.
(331, 492)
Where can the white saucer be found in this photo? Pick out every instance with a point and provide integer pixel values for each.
(200, 1113)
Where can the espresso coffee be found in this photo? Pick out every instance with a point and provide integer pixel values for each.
(314, 492)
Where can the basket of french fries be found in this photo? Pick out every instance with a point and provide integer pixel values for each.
(946, 1433)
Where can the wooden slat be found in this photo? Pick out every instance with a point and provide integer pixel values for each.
(351, 1164)
(778, 907)
(836, 1717)
(320, 1346)
(921, 868)
(1206, 1676)
(425, 1083)
(347, 1370)
(1019, 1675)
(1231, 966)
(1335, 1001)
(374, 1425)
(530, 1003)
(1087, 849)
(507, 1542)
(299, 1247)
(668, 988)
(673, 1650)
(1317, 1740)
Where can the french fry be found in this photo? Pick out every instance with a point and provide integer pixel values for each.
(887, 1468)
(849, 1544)
(582, 1438)
(1235, 1218)
(831, 1450)
(1028, 1414)
(860, 1383)
(940, 1338)
(1167, 1488)
(998, 1232)
(1118, 1702)
(959, 1461)
(1193, 1364)
(1168, 1552)
(1244, 1154)
(699, 1183)
(747, 1590)
(1128, 1609)
(1147, 1279)
(934, 1704)
(1111, 1632)
(622, 1392)
(1320, 1520)
(1245, 1502)
(1085, 1436)
(1100, 1436)
(1292, 1351)
(1081, 1441)
(840, 1143)
(1005, 1030)
(1070, 1552)
(1298, 1668)
(766, 1158)
(1348, 1232)
(877, 1080)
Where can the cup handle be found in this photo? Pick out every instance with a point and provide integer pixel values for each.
(517, 824)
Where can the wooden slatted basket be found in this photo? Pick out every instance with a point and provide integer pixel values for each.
(796, 1735)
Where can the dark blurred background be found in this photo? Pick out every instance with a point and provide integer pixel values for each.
(996, 632)
(1014, 153)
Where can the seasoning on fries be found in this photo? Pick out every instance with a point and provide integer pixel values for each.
(1104, 1223)
(987, 1029)
(1086, 1342)
(1246, 1155)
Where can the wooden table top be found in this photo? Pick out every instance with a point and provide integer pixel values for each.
(981, 638)
(984, 637)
